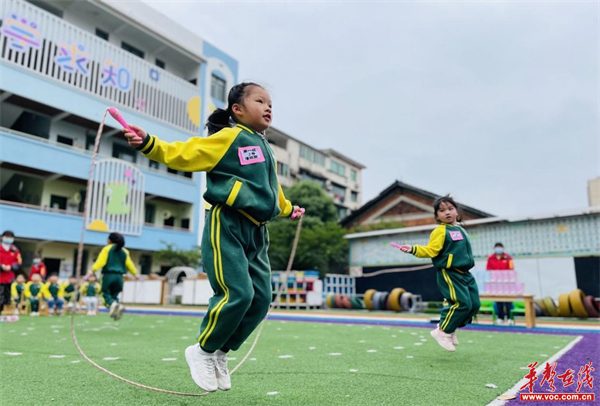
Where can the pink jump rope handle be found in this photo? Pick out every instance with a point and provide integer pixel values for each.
(393, 244)
(116, 114)
(302, 210)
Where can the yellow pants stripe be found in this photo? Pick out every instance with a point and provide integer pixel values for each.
(215, 235)
(453, 297)
(218, 263)
(225, 300)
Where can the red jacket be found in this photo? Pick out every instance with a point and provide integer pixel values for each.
(39, 268)
(505, 263)
(11, 257)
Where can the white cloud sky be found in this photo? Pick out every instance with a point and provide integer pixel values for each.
(495, 102)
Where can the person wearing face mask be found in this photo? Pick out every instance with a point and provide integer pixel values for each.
(10, 261)
(38, 267)
(500, 261)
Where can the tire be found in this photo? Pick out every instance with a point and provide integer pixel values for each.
(331, 301)
(538, 311)
(377, 300)
(346, 302)
(550, 306)
(542, 306)
(368, 298)
(564, 307)
(357, 303)
(576, 299)
(383, 301)
(591, 306)
(394, 299)
(407, 301)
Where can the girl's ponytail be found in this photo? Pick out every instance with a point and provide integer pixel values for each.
(118, 240)
(218, 120)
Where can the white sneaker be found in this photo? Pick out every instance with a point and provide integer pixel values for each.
(112, 309)
(203, 367)
(16, 312)
(454, 339)
(223, 376)
(119, 312)
(443, 339)
(33, 314)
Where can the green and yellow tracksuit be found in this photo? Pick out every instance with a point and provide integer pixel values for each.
(69, 290)
(244, 192)
(90, 289)
(33, 293)
(450, 249)
(114, 264)
(16, 290)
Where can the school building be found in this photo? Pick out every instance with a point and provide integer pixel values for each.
(61, 65)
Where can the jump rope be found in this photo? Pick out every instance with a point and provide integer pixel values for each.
(117, 116)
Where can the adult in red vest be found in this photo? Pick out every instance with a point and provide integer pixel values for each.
(38, 267)
(10, 261)
(501, 261)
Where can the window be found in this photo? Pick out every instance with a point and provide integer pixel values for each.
(312, 156)
(170, 222)
(282, 169)
(310, 178)
(61, 139)
(160, 64)
(131, 49)
(53, 10)
(149, 213)
(354, 196)
(124, 152)
(338, 168)
(217, 88)
(352, 175)
(102, 34)
(90, 140)
(153, 164)
(185, 223)
(187, 174)
(146, 264)
(173, 171)
(58, 202)
(338, 191)
(342, 212)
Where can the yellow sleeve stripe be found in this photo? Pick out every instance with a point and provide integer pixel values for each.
(234, 193)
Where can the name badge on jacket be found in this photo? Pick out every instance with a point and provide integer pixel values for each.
(250, 155)
(456, 235)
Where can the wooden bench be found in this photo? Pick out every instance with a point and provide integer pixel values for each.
(528, 299)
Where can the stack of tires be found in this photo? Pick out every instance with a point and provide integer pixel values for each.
(396, 300)
(344, 302)
(574, 304)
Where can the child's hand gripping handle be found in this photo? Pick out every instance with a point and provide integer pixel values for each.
(403, 248)
(298, 212)
(135, 135)
(116, 114)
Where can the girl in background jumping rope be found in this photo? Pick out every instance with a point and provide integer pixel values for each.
(244, 192)
(450, 249)
(114, 261)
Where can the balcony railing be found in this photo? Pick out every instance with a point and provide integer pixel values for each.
(40, 42)
(78, 213)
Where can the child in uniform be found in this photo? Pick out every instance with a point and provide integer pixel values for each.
(450, 248)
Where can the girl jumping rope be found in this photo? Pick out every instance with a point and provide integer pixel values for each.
(114, 261)
(244, 192)
(450, 249)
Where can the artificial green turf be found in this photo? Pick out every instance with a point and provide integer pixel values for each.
(309, 377)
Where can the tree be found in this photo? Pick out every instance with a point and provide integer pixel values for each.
(178, 257)
(322, 245)
(309, 195)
